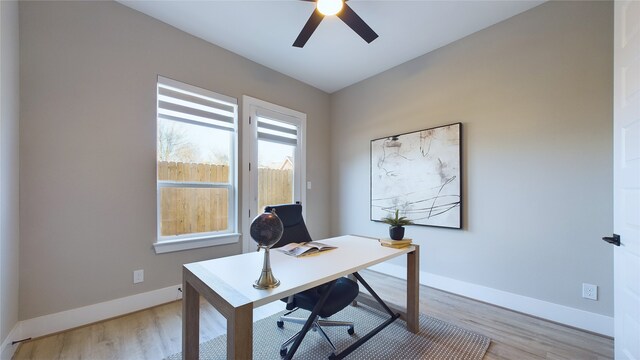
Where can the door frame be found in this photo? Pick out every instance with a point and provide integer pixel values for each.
(249, 209)
(626, 175)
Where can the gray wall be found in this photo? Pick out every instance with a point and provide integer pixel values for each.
(534, 94)
(87, 195)
(9, 170)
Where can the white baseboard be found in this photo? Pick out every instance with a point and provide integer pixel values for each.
(577, 318)
(69, 319)
(53, 323)
(7, 349)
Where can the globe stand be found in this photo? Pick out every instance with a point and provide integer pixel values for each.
(266, 229)
(266, 279)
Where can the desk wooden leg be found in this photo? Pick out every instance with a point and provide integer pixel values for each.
(413, 290)
(240, 333)
(190, 322)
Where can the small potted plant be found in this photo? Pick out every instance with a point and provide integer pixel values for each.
(396, 225)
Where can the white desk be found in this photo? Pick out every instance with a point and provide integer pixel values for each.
(227, 283)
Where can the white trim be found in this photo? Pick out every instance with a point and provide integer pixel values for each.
(250, 107)
(193, 184)
(249, 137)
(7, 349)
(69, 319)
(65, 320)
(562, 314)
(164, 244)
(180, 244)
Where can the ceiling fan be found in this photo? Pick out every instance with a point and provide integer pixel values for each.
(340, 9)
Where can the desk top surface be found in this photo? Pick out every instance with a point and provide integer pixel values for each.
(232, 277)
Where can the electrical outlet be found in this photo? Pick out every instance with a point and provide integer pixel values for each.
(590, 291)
(138, 276)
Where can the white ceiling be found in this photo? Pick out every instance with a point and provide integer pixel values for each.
(335, 56)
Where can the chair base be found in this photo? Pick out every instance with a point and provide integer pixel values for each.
(315, 326)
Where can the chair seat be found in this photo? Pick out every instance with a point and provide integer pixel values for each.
(343, 293)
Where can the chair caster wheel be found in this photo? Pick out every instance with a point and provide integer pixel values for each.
(351, 331)
(280, 325)
(283, 352)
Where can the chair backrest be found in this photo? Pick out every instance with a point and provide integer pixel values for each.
(295, 229)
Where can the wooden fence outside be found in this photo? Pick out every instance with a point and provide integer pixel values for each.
(193, 210)
(274, 187)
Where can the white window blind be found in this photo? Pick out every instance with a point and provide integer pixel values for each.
(275, 130)
(189, 104)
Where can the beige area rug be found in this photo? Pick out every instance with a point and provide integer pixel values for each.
(436, 339)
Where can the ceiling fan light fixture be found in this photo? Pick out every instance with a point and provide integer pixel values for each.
(343, 12)
(329, 7)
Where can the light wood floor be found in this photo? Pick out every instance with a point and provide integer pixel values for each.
(156, 333)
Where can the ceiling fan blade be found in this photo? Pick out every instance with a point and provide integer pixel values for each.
(309, 28)
(356, 23)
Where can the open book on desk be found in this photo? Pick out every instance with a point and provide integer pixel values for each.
(303, 249)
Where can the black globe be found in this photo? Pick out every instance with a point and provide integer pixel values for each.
(266, 229)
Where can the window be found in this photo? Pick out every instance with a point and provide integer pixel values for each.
(196, 167)
(274, 144)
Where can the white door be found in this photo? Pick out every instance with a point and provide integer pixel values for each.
(626, 173)
(274, 159)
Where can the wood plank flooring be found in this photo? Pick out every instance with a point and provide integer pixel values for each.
(155, 333)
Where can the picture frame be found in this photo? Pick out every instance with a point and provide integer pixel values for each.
(418, 173)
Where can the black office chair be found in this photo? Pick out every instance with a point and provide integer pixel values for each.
(341, 294)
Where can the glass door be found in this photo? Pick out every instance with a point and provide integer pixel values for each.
(277, 148)
(273, 142)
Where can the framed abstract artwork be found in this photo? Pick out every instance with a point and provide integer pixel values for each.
(419, 174)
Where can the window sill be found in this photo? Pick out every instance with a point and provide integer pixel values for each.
(195, 243)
